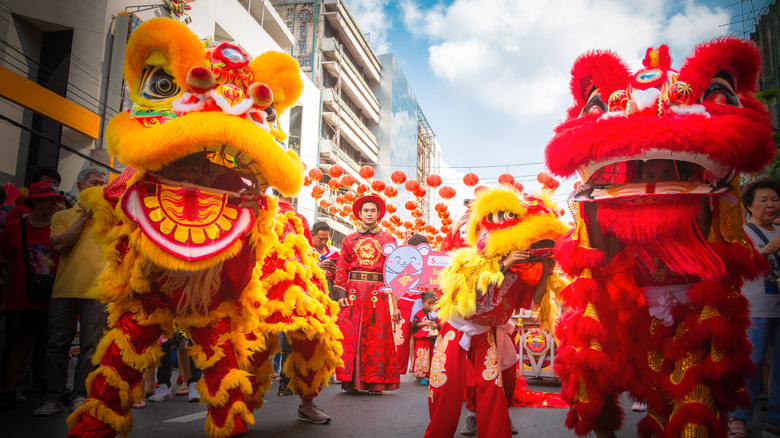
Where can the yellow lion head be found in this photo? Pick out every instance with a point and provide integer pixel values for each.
(503, 219)
(192, 103)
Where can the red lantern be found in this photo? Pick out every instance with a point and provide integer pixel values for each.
(518, 186)
(366, 172)
(416, 212)
(391, 191)
(317, 191)
(447, 192)
(398, 177)
(324, 203)
(333, 209)
(315, 174)
(378, 185)
(362, 188)
(506, 179)
(440, 207)
(347, 180)
(334, 183)
(420, 192)
(547, 180)
(444, 229)
(408, 225)
(419, 221)
(478, 189)
(412, 185)
(386, 223)
(306, 181)
(470, 179)
(395, 219)
(335, 171)
(446, 221)
(433, 180)
(340, 200)
(410, 205)
(350, 196)
(390, 208)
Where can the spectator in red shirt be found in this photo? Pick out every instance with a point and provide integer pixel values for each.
(26, 319)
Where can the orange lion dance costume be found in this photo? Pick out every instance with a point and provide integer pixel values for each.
(659, 249)
(190, 237)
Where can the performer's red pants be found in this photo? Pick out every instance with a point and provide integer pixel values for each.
(402, 349)
(448, 382)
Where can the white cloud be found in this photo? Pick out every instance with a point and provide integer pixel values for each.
(514, 57)
(373, 21)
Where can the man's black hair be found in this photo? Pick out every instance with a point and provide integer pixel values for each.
(417, 239)
(319, 226)
(427, 295)
(45, 171)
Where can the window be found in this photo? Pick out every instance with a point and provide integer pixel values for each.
(296, 120)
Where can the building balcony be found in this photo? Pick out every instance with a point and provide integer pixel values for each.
(350, 36)
(352, 81)
(336, 113)
(332, 154)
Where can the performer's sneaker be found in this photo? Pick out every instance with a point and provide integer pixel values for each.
(192, 393)
(163, 393)
(312, 414)
(639, 407)
(49, 408)
(514, 429)
(424, 381)
(470, 428)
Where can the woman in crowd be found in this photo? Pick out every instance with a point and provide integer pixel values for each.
(761, 198)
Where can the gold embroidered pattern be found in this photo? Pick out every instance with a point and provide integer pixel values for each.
(582, 393)
(368, 251)
(491, 371)
(707, 312)
(653, 324)
(422, 362)
(699, 394)
(398, 334)
(716, 354)
(438, 378)
(655, 360)
(681, 366)
(590, 312)
(596, 345)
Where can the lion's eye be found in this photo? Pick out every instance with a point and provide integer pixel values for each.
(720, 92)
(157, 84)
(594, 106)
(509, 215)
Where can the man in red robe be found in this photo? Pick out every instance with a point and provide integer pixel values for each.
(364, 319)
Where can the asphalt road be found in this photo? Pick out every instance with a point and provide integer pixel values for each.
(394, 414)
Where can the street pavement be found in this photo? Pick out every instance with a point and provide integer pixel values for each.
(395, 414)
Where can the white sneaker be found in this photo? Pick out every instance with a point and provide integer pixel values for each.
(639, 407)
(193, 397)
(163, 393)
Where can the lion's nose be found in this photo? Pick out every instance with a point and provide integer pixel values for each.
(200, 79)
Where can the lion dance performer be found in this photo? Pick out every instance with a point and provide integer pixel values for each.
(658, 250)
(189, 234)
(481, 288)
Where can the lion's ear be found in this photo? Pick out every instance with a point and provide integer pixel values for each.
(281, 73)
(733, 59)
(161, 47)
(596, 71)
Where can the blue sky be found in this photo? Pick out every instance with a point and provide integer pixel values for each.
(492, 76)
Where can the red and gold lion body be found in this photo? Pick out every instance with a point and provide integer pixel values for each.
(192, 239)
(659, 252)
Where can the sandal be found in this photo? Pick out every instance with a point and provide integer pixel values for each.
(737, 428)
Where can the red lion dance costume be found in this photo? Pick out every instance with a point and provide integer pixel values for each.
(658, 248)
(190, 236)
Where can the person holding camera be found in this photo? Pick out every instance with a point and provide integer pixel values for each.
(26, 246)
(761, 198)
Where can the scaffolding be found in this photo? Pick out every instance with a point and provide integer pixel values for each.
(425, 150)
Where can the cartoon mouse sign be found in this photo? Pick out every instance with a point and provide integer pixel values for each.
(410, 269)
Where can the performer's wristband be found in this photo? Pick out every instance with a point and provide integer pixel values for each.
(501, 266)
